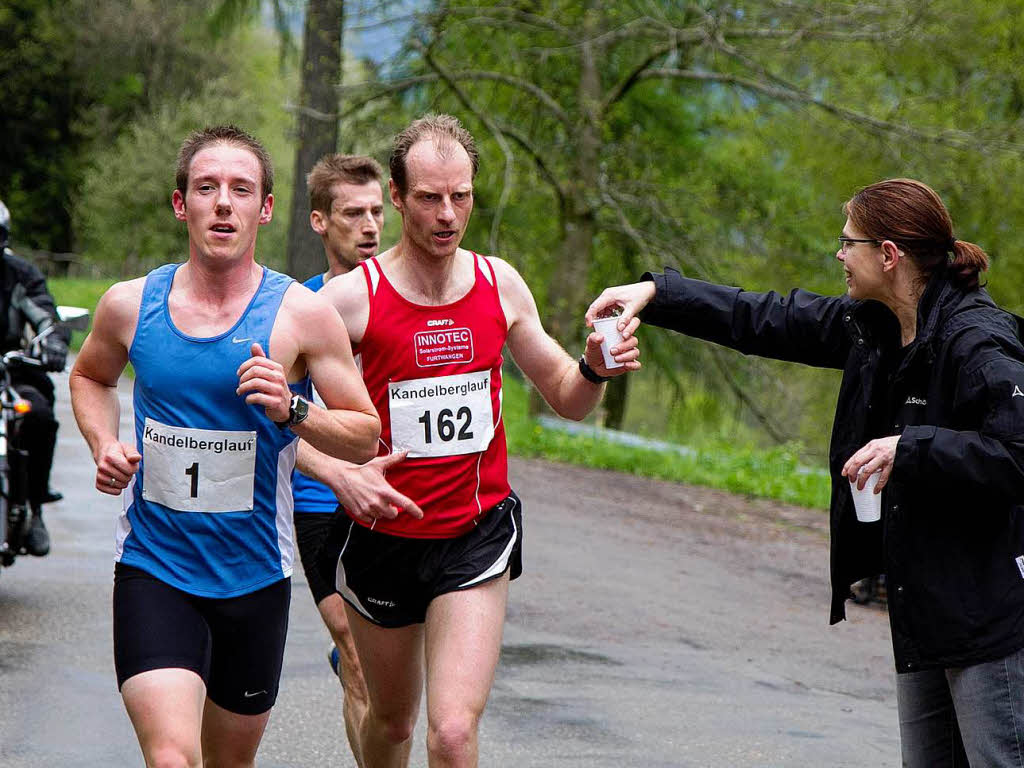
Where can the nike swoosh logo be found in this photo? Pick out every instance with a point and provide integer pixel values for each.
(250, 695)
(240, 341)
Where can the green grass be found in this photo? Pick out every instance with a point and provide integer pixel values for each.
(768, 473)
(78, 292)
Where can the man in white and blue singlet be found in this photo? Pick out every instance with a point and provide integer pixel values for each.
(221, 347)
(347, 211)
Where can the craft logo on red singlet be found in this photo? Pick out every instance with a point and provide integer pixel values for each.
(442, 346)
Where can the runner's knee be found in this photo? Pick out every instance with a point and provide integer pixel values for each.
(173, 756)
(451, 734)
(395, 728)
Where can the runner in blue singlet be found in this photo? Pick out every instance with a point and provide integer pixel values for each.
(220, 346)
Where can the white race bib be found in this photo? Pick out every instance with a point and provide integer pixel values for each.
(198, 470)
(442, 416)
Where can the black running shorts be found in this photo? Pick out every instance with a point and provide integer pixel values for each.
(391, 580)
(311, 531)
(236, 645)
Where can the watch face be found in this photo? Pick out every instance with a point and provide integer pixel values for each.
(300, 409)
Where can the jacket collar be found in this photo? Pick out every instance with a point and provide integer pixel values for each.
(939, 301)
(941, 298)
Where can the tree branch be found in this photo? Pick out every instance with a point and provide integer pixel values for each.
(734, 386)
(380, 89)
(387, 88)
(495, 131)
(516, 14)
(625, 225)
(955, 139)
(631, 79)
(643, 27)
(542, 164)
(312, 114)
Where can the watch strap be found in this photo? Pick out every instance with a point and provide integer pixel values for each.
(589, 373)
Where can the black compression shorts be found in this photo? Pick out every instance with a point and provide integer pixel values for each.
(236, 644)
(311, 531)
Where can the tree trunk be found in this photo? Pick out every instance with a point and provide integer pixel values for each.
(567, 295)
(615, 402)
(567, 292)
(317, 122)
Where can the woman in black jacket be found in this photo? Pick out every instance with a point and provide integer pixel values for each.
(932, 399)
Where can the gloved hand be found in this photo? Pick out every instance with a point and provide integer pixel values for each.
(53, 353)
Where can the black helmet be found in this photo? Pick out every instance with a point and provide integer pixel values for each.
(5, 224)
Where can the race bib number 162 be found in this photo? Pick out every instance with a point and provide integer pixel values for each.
(442, 415)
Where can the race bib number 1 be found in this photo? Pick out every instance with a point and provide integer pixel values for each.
(198, 470)
(442, 416)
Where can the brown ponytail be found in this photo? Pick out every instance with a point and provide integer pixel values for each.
(968, 262)
(913, 216)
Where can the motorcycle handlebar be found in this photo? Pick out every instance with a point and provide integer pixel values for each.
(18, 356)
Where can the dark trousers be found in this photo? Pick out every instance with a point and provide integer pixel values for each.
(37, 434)
(969, 716)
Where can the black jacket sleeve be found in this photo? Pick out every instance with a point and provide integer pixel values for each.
(990, 458)
(801, 327)
(28, 276)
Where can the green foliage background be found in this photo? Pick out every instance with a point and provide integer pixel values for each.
(723, 181)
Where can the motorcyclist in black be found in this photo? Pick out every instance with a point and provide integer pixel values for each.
(25, 300)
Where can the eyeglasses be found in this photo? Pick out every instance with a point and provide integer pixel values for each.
(846, 242)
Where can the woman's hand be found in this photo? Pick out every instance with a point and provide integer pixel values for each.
(629, 298)
(876, 456)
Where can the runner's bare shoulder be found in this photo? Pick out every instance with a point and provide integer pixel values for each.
(348, 294)
(516, 296)
(311, 319)
(117, 312)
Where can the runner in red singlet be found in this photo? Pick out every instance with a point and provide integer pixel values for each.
(426, 591)
(436, 371)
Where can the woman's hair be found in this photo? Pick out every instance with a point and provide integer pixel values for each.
(911, 215)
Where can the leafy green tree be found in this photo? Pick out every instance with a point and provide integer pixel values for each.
(123, 214)
(73, 74)
(40, 99)
(721, 137)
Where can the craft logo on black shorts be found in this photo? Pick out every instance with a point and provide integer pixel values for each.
(443, 346)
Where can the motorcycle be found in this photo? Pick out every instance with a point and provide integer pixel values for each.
(15, 512)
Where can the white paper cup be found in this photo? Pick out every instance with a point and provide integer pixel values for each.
(867, 503)
(608, 327)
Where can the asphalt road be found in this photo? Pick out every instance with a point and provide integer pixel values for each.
(655, 625)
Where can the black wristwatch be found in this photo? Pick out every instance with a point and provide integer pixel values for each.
(298, 410)
(589, 373)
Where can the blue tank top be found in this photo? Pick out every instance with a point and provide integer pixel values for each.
(311, 495)
(210, 509)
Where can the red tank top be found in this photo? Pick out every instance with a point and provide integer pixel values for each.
(434, 374)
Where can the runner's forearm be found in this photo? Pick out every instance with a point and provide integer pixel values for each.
(341, 434)
(575, 397)
(97, 411)
(317, 464)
